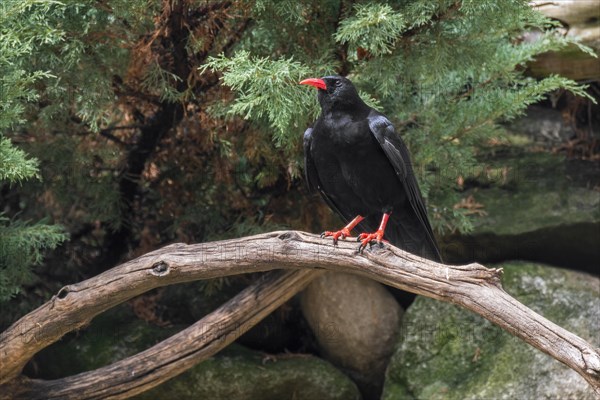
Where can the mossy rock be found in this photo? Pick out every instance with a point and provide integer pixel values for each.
(540, 191)
(544, 209)
(446, 352)
(111, 336)
(234, 374)
(241, 374)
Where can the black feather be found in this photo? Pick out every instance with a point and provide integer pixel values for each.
(360, 166)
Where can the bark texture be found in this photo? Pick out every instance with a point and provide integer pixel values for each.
(471, 286)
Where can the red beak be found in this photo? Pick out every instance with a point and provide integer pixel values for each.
(318, 83)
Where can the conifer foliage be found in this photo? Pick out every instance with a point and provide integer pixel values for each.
(151, 122)
(447, 72)
(21, 243)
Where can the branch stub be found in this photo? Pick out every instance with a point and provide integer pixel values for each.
(159, 268)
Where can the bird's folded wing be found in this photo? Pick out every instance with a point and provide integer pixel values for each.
(312, 179)
(310, 170)
(397, 153)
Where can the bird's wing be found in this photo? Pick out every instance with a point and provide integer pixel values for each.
(313, 182)
(310, 170)
(397, 153)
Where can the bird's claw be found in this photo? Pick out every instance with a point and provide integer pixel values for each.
(368, 239)
(336, 235)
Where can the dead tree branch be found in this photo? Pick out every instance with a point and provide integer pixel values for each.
(150, 368)
(471, 286)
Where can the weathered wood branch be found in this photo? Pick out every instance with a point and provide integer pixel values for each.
(145, 370)
(472, 286)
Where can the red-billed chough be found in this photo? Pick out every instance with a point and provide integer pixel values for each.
(362, 169)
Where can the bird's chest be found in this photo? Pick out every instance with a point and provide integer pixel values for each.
(348, 157)
(337, 141)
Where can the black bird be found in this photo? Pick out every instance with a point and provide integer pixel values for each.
(361, 167)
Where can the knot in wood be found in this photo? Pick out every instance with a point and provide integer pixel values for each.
(159, 268)
(63, 292)
(289, 236)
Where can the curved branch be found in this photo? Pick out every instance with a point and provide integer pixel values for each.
(150, 368)
(472, 286)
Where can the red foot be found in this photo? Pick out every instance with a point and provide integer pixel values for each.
(377, 236)
(369, 238)
(342, 233)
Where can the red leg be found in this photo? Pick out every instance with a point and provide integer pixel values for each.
(344, 232)
(367, 238)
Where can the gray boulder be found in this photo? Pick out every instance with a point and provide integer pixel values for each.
(355, 321)
(445, 352)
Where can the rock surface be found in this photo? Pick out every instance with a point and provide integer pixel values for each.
(579, 19)
(236, 373)
(445, 352)
(240, 374)
(533, 212)
(542, 127)
(355, 321)
(111, 336)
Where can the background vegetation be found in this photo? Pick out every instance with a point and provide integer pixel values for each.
(125, 125)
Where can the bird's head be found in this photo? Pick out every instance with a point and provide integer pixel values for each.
(335, 92)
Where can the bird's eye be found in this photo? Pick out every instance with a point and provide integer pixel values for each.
(338, 83)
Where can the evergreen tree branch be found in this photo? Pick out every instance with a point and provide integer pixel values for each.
(106, 133)
(174, 28)
(417, 29)
(472, 286)
(341, 52)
